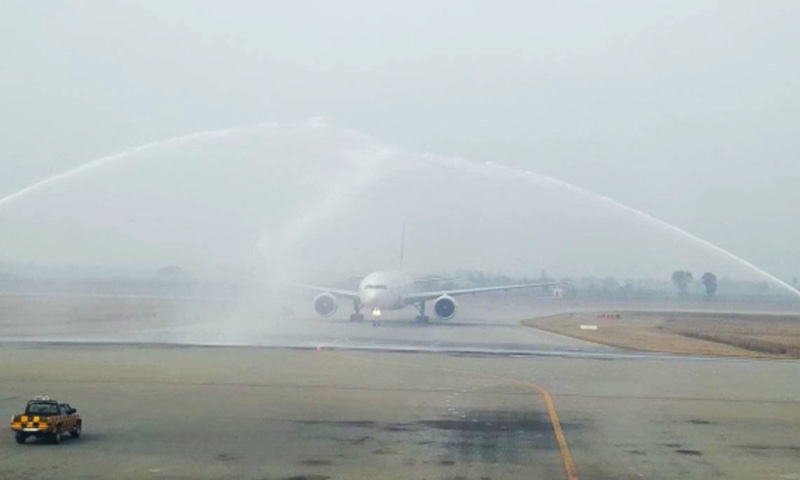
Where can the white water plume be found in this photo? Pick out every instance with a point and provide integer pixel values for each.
(313, 199)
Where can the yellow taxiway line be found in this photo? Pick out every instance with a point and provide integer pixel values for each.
(561, 440)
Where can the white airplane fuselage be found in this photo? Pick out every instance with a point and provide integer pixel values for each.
(394, 290)
(385, 290)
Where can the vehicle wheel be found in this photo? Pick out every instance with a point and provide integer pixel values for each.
(57, 437)
(77, 432)
(21, 437)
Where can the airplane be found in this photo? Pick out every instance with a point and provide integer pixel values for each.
(394, 290)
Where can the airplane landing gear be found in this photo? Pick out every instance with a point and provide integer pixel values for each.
(357, 316)
(421, 318)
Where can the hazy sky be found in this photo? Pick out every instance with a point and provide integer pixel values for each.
(688, 110)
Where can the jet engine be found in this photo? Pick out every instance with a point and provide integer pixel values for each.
(326, 304)
(445, 307)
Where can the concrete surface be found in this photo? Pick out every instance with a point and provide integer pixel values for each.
(159, 411)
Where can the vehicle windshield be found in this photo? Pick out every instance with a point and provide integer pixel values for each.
(42, 408)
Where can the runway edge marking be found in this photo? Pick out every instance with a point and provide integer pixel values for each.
(561, 440)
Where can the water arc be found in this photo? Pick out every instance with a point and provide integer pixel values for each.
(319, 171)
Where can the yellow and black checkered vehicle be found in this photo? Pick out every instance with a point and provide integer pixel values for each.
(46, 418)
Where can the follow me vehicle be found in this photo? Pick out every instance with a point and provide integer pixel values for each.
(46, 418)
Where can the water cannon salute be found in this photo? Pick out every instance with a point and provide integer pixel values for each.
(399, 240)
(284, 237)
(299, 202)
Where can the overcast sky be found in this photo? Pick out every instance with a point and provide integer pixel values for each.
(688, 110)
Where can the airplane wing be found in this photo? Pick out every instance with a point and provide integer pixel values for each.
(423, 296)
(336, 291)
(434, 278)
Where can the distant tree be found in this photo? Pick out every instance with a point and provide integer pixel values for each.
(627, 288)
(710, 282)
(682, 279)
(763, 287)
(477, 278)
(610, 283)
(609, 286)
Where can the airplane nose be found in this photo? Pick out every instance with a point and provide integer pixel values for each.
(368, 298)
(371, 299)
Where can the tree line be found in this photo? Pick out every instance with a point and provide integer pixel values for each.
(683, 278)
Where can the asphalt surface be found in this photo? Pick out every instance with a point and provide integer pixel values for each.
(309, 398)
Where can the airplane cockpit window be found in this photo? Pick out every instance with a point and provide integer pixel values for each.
(375, 287)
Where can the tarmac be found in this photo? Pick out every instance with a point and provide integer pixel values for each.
(235, 393)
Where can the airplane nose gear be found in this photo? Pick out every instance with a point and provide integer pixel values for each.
(376, 317)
